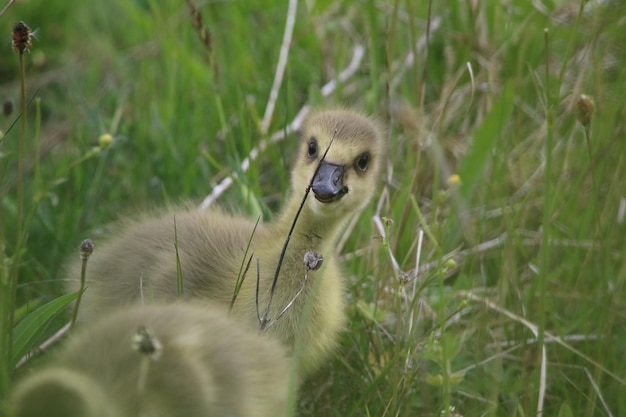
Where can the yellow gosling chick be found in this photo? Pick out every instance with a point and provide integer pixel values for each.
(140, 262)
(178, 360)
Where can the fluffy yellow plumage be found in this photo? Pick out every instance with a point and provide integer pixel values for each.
(204, 365)
(140, 262)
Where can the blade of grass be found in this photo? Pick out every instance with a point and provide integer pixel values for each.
(30, 328)
(474, 163)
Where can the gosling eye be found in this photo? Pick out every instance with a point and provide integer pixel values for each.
(312, 148)
(362, 162)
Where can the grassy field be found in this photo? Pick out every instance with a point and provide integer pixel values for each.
(488, 277)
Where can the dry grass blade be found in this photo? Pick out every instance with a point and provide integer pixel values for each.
(205, 37)
(264, 319)
(5, 8)
(549, 336)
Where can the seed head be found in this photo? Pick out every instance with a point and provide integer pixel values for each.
(313, 260)
(585, 106)
(146, 343)
(21, 37)
(86, 249)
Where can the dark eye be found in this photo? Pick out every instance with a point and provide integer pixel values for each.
(362, 162)
(312, 148)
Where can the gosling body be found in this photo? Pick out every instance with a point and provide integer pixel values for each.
(202, 365)
(140, 263)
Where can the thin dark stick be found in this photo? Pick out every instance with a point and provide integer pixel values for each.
(19, 115)
(293, 225)
(258, 283)
(293, 300)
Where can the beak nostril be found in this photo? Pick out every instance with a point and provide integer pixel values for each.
(328, 183)
(337, 177)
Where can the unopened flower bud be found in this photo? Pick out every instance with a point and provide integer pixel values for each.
(585, 106)
(86, 248)
(105, 140)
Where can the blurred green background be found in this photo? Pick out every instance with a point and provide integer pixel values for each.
(527, 243)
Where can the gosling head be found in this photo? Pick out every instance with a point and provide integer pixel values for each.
(347, 176)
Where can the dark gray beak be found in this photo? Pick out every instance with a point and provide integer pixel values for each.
(328, 183)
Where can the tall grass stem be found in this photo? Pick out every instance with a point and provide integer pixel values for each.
(547, 215)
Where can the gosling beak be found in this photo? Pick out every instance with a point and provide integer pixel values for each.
(328, 183)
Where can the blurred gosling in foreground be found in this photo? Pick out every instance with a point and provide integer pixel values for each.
(162, 360)
(140, 262)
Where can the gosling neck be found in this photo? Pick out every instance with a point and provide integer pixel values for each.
(313, 229)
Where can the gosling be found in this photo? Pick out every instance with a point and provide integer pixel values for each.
(177, 360)
(141, 262)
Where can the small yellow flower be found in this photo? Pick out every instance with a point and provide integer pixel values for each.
(454, 180)
(105, 140)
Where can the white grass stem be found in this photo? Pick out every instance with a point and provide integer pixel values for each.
(418, 255)
(534, 329)
(280, 67)
(598, 392)
(141, 297)
(381, 229)
(473, 86)
(533, 239)
(409, 60)
(548, 335)
(327, 89)
(489, 359)
(568, 338)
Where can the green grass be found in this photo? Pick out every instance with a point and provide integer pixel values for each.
(531, 241)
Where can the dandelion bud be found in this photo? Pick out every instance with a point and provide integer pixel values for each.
(86, 248)
(21, 37)
(585, 106)
(313, 260)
